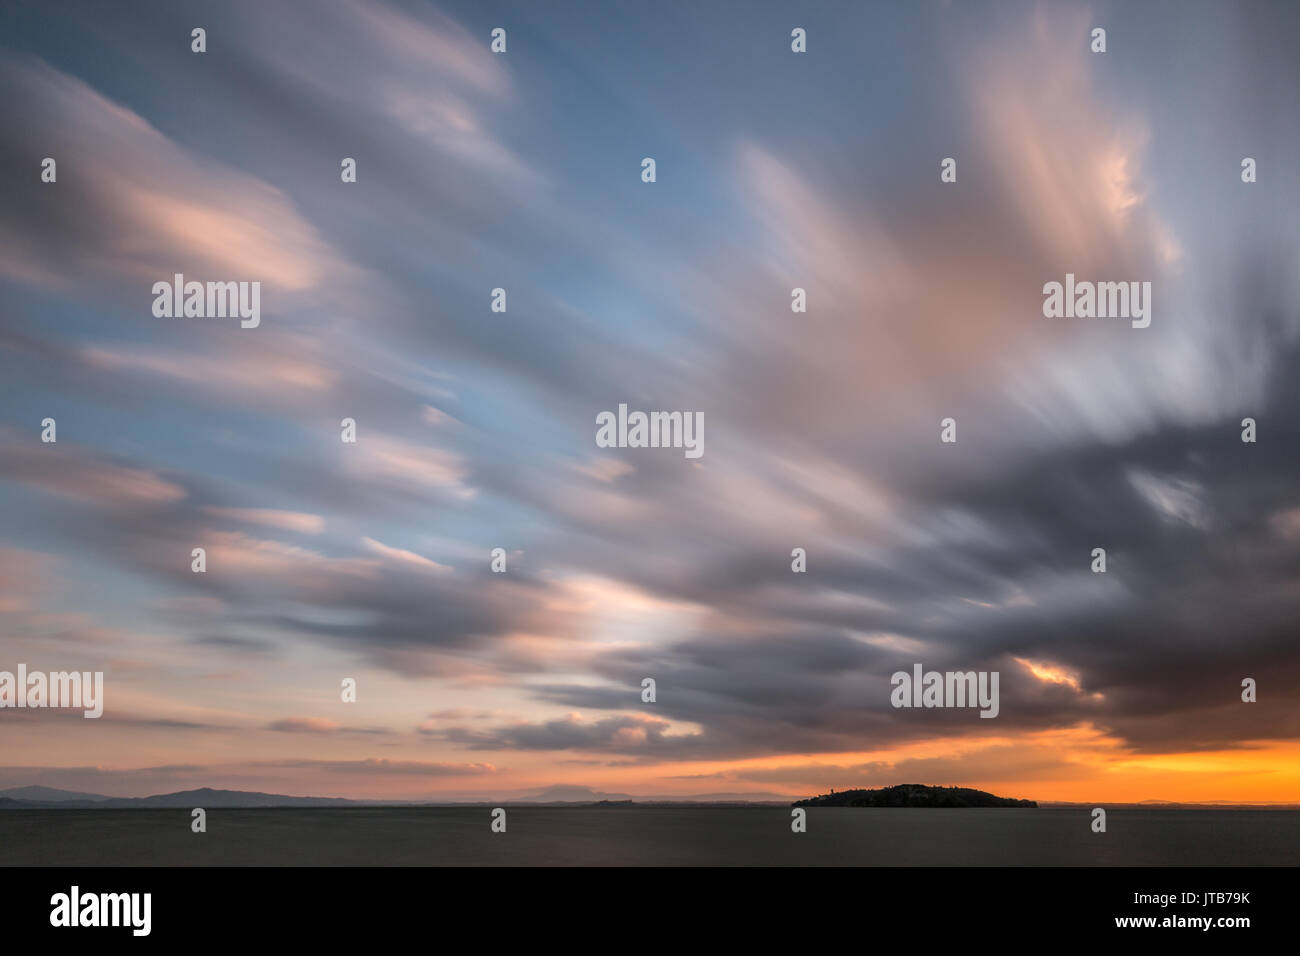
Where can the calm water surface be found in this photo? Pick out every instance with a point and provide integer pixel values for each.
(649, 836)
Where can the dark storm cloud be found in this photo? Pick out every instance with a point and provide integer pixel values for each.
(645, 735)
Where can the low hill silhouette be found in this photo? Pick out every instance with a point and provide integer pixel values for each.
(913, 795)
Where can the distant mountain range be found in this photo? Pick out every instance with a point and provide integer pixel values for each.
(913, 795)
(49, 798)
(48, 794)
(905, 795)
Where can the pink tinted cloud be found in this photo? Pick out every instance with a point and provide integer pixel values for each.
(73, 471)
(150, 206)
(281, 520)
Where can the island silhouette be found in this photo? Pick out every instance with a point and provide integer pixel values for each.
(913, 795)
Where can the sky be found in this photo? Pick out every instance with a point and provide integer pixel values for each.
(475, 429)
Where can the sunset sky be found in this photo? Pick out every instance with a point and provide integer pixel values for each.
(475, 429)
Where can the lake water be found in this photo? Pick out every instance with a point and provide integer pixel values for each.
(649, 836)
